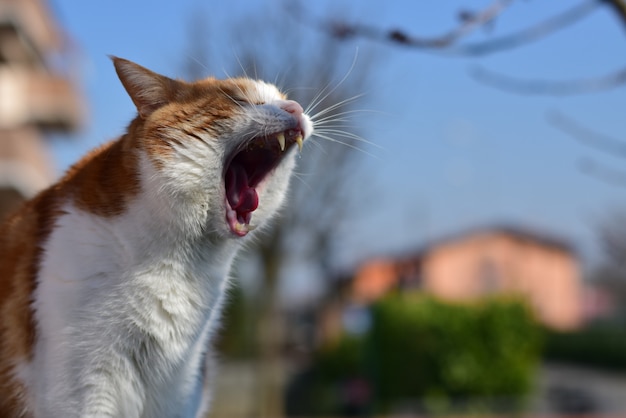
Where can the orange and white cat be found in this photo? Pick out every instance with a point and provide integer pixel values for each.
(112, 280)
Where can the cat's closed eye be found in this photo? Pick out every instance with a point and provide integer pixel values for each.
(249, 102)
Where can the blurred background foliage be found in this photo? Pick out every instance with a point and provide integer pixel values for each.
(602, 346)
(451, 357)
(423, 354)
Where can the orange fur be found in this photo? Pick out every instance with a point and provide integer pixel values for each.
(20, 239)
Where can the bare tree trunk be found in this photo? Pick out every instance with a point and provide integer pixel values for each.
(319, 203)
(270, 333)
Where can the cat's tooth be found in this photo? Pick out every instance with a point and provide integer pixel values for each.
(239, 227)
(281, 140)
(299, 142)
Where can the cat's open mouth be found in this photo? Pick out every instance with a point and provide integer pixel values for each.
(247, 168)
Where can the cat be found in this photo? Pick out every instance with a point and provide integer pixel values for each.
(112, 280)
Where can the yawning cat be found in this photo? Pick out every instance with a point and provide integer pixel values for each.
(112, 280)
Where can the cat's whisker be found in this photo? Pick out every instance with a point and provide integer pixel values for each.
(346, 144)
(200, 63)
(317, 99)
(331, 119)
(301, 179)
(320, 98)
(209, 144)
(317, 118)
(253, 114)
(331, 125)
(336, 116)
(256, 71)
(292, 89)
(244, 71)
(242, 106)
(235, 101)
(319, 146)
(344, 134)
(347, 135)
(281, 76)
(336, 106)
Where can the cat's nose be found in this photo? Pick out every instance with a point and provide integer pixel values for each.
(291, 106)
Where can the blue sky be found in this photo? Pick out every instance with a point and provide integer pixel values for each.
(454, 154)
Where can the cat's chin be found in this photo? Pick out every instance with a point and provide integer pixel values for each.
(235, 225)
(247, 168)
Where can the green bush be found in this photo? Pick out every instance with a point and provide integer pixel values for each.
(603, 347)
(344, 358)
(437, 354)
(426, 348)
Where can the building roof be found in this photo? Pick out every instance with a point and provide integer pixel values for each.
(541, 238)
(521, 233)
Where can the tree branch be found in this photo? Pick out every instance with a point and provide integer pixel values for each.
(550, 87)
(531, 34)
(608, 175)
(470, 21)
(597, 140)
(619, 7)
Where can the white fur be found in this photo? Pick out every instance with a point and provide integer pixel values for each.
(125, 306)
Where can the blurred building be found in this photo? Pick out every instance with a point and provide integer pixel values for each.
(36, 97)
(499, 260)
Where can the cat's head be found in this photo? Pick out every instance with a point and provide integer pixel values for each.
(226, 146)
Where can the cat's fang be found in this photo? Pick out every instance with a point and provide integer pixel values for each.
(240, 229)
(243, 229)
(299, 142)
(281, 140)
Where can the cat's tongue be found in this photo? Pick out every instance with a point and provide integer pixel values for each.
(242, 198)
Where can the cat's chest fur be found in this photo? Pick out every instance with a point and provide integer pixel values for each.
(112, 280)
(115, 294)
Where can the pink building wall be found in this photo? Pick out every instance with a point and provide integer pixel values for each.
(496, 262)
(483, 263)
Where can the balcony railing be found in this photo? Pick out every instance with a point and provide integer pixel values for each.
(37, 98)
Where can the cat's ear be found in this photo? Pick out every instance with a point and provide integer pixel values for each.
(148, 90)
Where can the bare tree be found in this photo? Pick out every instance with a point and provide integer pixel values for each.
(452, 43)
(469, 21)
(316, 71)
(597, 141)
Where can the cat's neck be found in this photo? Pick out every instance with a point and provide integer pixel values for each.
(120, 181)
(138, 242)
(145, 231)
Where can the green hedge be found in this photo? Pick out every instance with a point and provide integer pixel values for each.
(434, 349)
(438, 354)
(603, 347)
